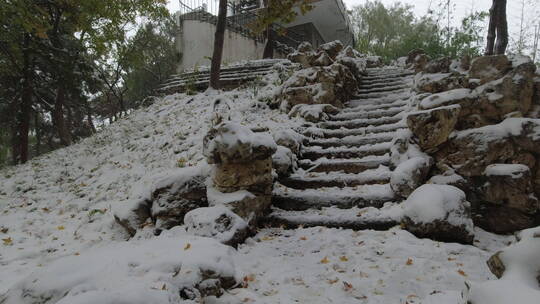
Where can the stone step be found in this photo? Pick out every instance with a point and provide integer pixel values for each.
(352, 141)
(315, 132)
(386, 76)
(380, 94)
(347, 197)
(314, 180)
(315, 153)
(363, 91)
(375, 113)
(381, 84)
(360, 123)
(332, 217)
(384, 80)
(358, 105)
(349, 165)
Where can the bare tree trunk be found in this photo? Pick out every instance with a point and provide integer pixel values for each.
(58, 117)
(490, 48)
(218, 45)
(23, 123)
(502, 29)
(269, 47)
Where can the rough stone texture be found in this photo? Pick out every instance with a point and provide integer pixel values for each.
(313, 113)
(254, 176)
(496, 266)
(433, 127)
(511, 187)
(329, 75)
(374, 62)
(242, 177)
(488, 68)
(417, 60)
(436, 83)
(218, 223)
(172, 201)
(136, 217)
(332, 48)
(471, 151)
(410, 175)
(233, 143)
(441, 65)
(284, 161)
(290, 139)
(500, 219)
(511, 93)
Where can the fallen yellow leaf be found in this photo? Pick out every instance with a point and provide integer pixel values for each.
(188, 246)
(60, 227)
(409, 262)
(8, 241)
(461, 272)
(343, 259)
(325, 260)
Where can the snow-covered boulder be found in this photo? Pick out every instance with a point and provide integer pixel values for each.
(488, 68)
(439, 65)
(439, 212)
(177, 194)
(242, 175)
(164, 204)
(313, 113)
(217, 222)
(332, 48)
(518, 268)
(163, 270)
(231, 142)
(510, 185)
(433, 127)
(409, 175)
(471, 151)
(290, 139)
(417, 59)
(284, 161)
(439, 82)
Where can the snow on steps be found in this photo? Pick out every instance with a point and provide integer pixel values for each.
(344, 173)
(313, 180)
(350, 165)
(315, 152)
(342, 197)
(352, 218)
(360, 123)
(352, 141)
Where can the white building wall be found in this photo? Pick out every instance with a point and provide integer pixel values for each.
(195, 42)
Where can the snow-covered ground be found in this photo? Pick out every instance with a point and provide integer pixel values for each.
(57, 209)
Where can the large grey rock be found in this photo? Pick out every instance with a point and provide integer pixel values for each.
(217, 222)
(439, 212)
(510, 185)
(433, 127)
(410, 174)
(488, 68)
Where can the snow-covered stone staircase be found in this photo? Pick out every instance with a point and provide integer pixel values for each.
(345, 165)
(231, 76)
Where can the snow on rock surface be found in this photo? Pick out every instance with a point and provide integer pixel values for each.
(162, 270)
(440, 212)
(518, 268)
(218, 223)
(410, 174)
(513, 170)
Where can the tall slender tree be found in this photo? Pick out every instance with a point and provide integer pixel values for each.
(497, 38)
(219, 40)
